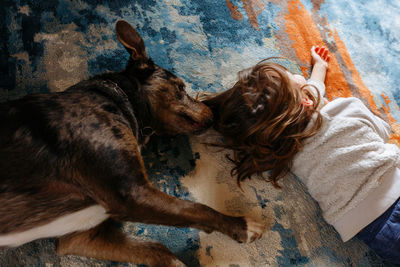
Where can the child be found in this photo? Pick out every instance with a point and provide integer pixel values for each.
(276, 121)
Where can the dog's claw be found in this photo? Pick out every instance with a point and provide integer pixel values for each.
(254, 230)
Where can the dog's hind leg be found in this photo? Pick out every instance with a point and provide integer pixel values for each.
(108, 242)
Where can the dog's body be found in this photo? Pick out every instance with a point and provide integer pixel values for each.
(71, 166)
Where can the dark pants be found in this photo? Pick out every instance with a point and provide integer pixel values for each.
(383, 235)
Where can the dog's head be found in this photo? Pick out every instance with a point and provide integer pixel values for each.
(170, 109)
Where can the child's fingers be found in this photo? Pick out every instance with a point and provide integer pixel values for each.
(314, 48)
(325, 54)
(321, 51)
(328, 58)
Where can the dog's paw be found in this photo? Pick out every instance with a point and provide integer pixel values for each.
(178, 263)
(173, 263)
(254, 230)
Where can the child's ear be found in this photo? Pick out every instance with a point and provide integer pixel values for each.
(306, 102)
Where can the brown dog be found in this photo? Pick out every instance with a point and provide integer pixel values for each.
(71, 165)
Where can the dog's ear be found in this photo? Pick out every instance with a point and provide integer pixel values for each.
(130, 39)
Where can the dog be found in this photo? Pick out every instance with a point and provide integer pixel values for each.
(71, 166)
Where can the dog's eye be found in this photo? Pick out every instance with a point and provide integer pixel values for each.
(180, 91)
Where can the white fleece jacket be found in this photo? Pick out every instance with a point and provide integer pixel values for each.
(348, 167)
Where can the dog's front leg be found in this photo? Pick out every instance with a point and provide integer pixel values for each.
(108, 242)
(120, 184)
(152, 206)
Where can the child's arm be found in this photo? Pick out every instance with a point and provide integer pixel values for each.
(320, 58)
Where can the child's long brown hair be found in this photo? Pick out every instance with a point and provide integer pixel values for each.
(263, 121)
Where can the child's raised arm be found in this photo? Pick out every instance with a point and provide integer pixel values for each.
(320, 58)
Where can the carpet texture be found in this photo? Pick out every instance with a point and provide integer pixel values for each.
(49, 45)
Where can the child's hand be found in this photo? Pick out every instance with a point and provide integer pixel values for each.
(320, 55)
(320, 58)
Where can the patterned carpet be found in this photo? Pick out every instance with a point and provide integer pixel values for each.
(49, 45)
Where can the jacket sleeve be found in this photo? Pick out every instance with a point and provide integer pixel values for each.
(352, 107)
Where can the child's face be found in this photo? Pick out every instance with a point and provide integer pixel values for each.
(296, 81)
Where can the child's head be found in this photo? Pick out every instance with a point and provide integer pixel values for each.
(263, 119)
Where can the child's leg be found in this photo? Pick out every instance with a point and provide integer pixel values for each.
(383, 235)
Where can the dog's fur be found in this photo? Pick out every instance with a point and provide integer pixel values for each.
(71, 167)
